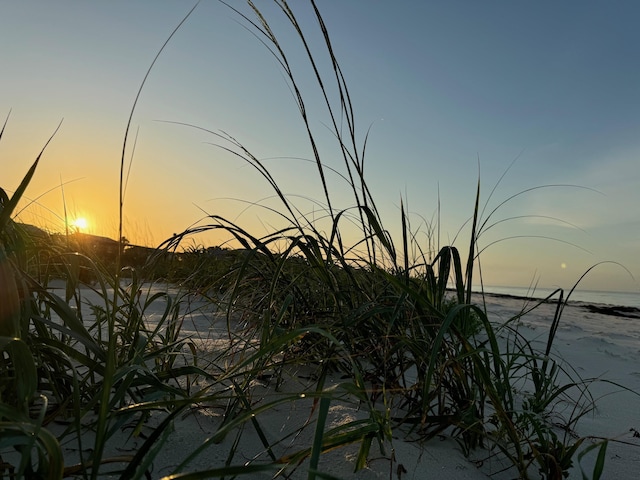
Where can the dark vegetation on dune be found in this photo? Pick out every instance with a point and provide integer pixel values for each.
(419, 358)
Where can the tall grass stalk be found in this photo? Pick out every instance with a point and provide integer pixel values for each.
(110, 366)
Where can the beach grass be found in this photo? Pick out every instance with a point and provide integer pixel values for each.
(366, 324)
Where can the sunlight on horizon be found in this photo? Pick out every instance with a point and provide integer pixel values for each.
(80, 224)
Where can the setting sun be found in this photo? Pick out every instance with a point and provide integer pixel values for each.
(80, 223)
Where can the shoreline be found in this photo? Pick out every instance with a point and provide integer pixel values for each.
(592, 307)
(596, 297)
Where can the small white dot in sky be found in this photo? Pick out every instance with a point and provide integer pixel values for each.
(563, 265)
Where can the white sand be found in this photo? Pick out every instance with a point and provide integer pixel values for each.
(596, 345)
(603, 348)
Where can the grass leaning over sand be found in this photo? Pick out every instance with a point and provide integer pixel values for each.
(421, 361)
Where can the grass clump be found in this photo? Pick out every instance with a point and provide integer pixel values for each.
(312, 321)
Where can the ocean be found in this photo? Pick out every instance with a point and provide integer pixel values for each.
(620, 299)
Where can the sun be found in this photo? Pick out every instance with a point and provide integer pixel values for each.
(80, 223)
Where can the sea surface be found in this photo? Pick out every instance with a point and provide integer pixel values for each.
(620, 299)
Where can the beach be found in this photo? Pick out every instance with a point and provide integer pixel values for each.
(594, 342)
(284, 287)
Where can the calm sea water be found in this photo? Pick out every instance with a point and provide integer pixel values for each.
(624, 299)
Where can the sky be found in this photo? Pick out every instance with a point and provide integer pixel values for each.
(539, 101)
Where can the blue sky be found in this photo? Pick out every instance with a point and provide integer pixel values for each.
(444, 87)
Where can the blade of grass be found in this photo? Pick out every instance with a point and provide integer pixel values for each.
(316, 449)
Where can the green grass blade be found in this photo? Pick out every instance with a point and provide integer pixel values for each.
(230, 471)
(151, 447)
(26, 376)
(8, 208)
(316, 449)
